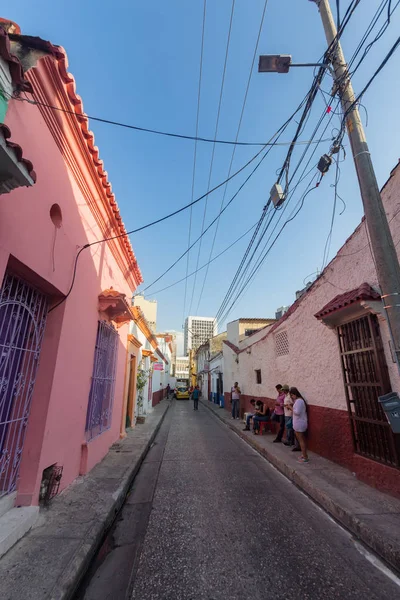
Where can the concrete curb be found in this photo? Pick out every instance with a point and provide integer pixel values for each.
(371, 537)
(68, 583)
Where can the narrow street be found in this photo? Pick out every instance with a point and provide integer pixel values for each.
(208, 518)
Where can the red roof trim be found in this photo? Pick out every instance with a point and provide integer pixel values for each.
(364, 292)
(76, 101)
(17, 150)
(232, 346)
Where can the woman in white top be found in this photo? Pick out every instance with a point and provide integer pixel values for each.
(300, 422)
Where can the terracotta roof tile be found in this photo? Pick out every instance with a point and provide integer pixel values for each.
(364, 292)
(17, 151)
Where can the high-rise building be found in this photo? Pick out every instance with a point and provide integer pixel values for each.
(149, 309)
(182, 367)
(198, 330)
(281, 311)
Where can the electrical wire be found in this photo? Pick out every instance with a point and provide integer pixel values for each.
(375, 19)
(301, 205)
(179, 210)
(235, 285)
(224, 310)
(366, 87)
(195, 149)
(262, 260)
(314, 90)
(251, 70)
(206, 264)
(176, 135)
(338, 15)
(115, 237)
(143, 129)
(335, 197)
(211, 224)
(221, 93)
(275, 136)
(242, 268)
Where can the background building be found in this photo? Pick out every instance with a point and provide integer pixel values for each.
(182, 367)
(198, 330)
(241, 328)
(170, 338)
(281, 311)
(149, 309)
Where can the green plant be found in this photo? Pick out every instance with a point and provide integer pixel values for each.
(141, 380)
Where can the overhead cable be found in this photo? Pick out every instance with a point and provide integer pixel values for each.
(221, 92)
(195, 150)
(251, 70)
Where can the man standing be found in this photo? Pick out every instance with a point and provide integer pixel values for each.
(168, 391)
(288, 406)
(279, 412)
(195, 396)
(235, 399)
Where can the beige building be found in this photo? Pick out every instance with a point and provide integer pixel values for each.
(149, 309)
(241, 328)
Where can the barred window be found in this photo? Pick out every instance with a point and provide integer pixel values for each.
(281, 343)
(258, 376)
(101, 397)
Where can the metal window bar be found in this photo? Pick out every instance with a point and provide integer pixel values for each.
(366, 377)
(23, 314)
(101, 397)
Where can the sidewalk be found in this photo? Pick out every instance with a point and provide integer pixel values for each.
(49, 562)
(373, 517)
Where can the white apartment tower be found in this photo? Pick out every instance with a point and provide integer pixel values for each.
(198, 330)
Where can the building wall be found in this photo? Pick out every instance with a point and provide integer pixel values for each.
(313, 361)
(216, 343)
(216, 367)
(236, 329)
(44, 256)
(149, 308)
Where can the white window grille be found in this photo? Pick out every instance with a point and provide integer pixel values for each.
(281, 343)
(101, 397)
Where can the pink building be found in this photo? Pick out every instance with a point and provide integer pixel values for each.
(334, 345)
(64, 321)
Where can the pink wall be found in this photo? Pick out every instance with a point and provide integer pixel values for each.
(56, 428)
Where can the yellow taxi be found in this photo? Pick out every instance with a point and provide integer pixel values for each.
(182, 392)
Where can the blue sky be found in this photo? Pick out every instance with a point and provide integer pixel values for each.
(137, 62)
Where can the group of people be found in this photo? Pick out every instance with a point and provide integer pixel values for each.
(289, 413)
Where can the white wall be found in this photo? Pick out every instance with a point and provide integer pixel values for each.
(231, 370)
(313, 362)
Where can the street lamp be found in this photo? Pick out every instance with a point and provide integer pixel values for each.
(281, 63)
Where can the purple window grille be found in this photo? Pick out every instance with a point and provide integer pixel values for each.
(101, 397)
(23, 313)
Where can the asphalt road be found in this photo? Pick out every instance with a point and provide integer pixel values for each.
(208, 518)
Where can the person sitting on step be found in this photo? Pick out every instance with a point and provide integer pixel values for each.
(258, 407)
(263, 417)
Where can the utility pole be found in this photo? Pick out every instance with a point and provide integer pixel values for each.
(383, 249)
